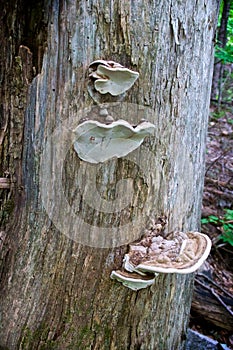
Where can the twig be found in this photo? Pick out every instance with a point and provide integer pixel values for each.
(219, 183)
(221, 301)
(218, 192)
(222, 102)
(225, 249)
(218, 158)
(215, 284)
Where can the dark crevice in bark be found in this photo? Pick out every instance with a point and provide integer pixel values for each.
(24, 22)
(34, 34)
(23, 32)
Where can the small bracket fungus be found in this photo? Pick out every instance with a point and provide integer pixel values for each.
(179, 253)
(111, 77)
(96, 142)
(133, 281)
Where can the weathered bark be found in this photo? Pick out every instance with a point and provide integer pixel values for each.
(56, 293)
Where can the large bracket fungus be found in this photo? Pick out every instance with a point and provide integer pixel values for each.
(97, 142)
(179, 252)
(111, 77)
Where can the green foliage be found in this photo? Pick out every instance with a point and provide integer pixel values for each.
(227, 235)
(212, 219)
(225, 223)
(218, 114)
(226, 54)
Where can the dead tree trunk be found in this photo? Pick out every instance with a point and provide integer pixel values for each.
(222, 41)
(55, 291)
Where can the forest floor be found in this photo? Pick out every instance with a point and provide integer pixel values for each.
(212, 306)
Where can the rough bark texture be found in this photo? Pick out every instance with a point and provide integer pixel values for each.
(55, 292)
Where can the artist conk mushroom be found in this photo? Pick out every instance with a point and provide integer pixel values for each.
(111, 77)
(179, 252)
(97, 142)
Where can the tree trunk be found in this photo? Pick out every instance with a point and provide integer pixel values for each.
(222, 41)
(57, 257)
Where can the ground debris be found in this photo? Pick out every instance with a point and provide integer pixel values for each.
(212, 305)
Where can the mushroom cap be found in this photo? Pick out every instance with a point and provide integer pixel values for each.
(104, 63)
(114, 81)
(96, 142)
(133, 280)
(193, 251)
(178, 253)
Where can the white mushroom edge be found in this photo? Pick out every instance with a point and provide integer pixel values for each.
(180, 253)
(132, 281)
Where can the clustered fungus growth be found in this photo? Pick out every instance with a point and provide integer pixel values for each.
(178, 252)
(96, 141)
(111, 77)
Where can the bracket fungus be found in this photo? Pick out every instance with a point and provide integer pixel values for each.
(179, 252)
(97, 142)
(133, 281)
(111, 77)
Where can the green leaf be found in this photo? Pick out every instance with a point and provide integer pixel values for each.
(224, 54)
(213, 219)
(227, 238)
(229, 214)
(204, 221)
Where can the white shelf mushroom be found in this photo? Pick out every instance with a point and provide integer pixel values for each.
(97, 142)
(111, 77)
(133, 280)
(184, 256)
(180, 252)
